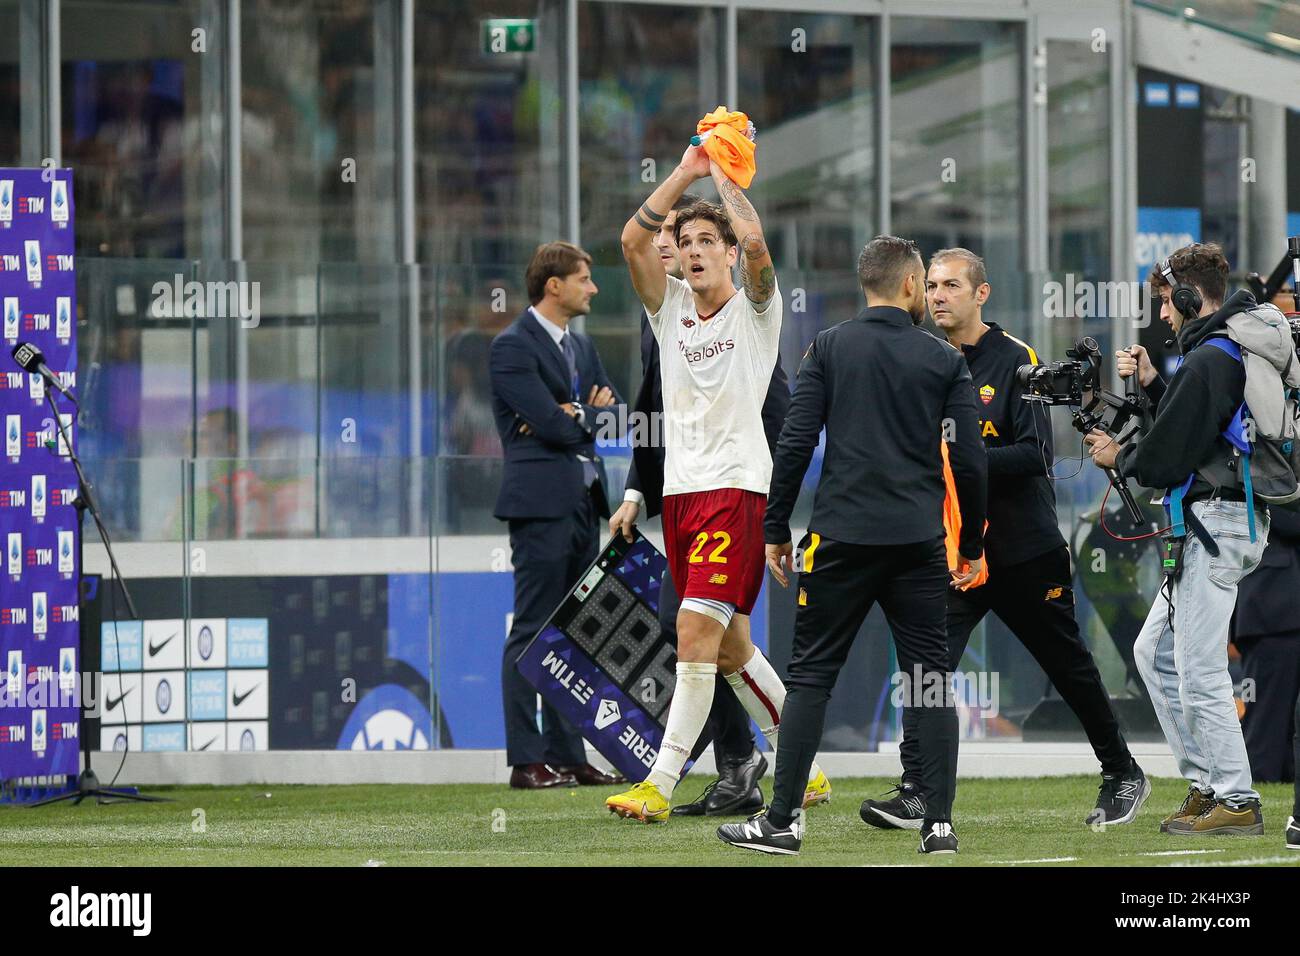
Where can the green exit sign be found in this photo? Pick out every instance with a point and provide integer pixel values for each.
(509, 36)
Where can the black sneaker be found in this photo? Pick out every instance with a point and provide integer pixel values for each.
(1293, 833)
(904, 812)
(937, 838)
(758, 833)
(1119, 798)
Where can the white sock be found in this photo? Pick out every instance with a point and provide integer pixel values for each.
(692, 699)
(762, 694)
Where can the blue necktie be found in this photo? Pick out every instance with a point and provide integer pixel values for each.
(566, 346)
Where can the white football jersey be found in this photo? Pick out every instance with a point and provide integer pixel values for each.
(716, 374)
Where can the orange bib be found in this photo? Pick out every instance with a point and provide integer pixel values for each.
(952, 522)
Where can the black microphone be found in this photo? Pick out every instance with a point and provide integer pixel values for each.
(32, 359)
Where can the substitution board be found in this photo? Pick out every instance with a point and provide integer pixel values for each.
(601, 660)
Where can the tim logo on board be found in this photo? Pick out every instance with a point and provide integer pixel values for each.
(32, 252)
(63, 319)
(38, 731)
(59, 203)
(66, 565)
(12, 313)
(40, 613)
(6, 202)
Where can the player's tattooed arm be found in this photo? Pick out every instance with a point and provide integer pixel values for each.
(757, 274)
(758, 286)
(643, 260)
(648, 219)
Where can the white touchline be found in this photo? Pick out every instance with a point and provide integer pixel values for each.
(1179, 852)
(1050, 859)
(1253, 861)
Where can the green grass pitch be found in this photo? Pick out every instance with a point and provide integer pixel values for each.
(1022, 821)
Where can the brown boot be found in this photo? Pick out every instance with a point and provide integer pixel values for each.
(1223, 820)
(1194, 804)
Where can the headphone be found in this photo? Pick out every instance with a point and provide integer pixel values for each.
(1186, 298)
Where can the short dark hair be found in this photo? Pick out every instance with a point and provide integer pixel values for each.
(975, 270)
(552, 259)
(710, 211)
(884, 264)
(685, 202)
(1201, 264)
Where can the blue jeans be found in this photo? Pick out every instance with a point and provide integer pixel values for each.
(1185, 667)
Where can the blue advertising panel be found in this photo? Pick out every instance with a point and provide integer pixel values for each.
(1162, 231)
(39, 611)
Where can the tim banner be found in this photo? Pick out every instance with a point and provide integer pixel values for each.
(39, 611)
(601, 660)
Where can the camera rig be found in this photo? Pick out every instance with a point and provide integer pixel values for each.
(1075, 383)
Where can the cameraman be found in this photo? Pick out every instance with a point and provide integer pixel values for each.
(1030, 580)
(1191, 689)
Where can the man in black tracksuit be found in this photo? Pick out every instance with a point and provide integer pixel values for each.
(1030, 582)
(740, 764)
(889, 394)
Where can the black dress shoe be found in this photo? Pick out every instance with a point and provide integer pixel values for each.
(540, 776)
(734, 793)
(589, 776)
(751, 804)
(737, 791)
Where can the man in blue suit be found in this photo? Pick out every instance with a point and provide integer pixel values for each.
(548, 386)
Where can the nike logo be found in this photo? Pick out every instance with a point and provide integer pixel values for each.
(236, 698)
(208, 744)
(155, 648)
(112, 704)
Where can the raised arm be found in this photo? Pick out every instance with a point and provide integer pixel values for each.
(648, 277)
(757, 275)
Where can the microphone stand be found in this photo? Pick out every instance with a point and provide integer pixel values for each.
(87, 783)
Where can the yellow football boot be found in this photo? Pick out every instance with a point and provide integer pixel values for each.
(643, 802)
(818, 791)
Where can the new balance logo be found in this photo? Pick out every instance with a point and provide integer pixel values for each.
(717, 579)
(752, 829)
(1053, 594)
(915, 805)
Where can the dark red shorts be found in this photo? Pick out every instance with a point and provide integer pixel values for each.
(714, 541)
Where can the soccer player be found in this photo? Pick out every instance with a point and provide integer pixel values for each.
(728, 728)
(717, 349)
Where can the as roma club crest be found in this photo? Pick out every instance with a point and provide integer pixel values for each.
(986, 394)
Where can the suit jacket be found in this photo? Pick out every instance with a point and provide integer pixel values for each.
(530, 378)
(647, 472)
(1268, 599)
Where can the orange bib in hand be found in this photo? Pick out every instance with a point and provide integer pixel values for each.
(729, 146)
(952, 522)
